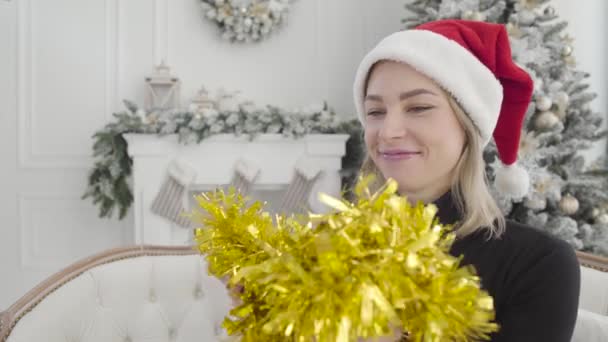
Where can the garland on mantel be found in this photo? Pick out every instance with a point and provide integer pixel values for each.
(109, 181)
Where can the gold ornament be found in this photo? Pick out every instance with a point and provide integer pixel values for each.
(568, 205)
(359, 271)
(546, 120)
(566, 50)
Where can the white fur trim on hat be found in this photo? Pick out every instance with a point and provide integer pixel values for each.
(449, 64)
(512, 180)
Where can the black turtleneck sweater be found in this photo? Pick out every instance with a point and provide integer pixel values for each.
(533, 277)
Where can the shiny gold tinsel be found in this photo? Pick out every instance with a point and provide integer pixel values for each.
(361, 271)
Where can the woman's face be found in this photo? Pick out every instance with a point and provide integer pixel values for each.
(411, 131)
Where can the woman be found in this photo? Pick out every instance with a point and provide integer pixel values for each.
(430, 99)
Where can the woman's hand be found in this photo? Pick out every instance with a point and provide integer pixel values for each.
(234, 291)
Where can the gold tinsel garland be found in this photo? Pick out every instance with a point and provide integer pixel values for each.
(363, 270)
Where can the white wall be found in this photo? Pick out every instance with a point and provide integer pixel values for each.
(587, 25)
(66, 65)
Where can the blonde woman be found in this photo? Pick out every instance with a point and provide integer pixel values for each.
(430, 99)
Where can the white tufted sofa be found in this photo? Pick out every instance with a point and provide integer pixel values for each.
(592, 322)
(161, 294)
(152, 294)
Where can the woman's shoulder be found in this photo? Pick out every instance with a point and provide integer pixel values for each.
(532, 244)
(526, 236)
(520, 246)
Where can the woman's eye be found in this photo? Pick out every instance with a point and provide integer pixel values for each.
(375, 113)
(419, 109)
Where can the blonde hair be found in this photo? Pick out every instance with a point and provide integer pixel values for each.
(470, 191)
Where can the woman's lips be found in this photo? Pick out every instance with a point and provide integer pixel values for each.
(398, 154)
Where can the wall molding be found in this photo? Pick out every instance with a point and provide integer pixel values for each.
(26, 79)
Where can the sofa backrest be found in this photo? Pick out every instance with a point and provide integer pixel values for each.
(128, 294)
(594, 283)
(170, 297)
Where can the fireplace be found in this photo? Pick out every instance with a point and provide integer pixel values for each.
(215, 161)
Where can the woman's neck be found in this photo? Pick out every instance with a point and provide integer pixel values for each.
(426, 196)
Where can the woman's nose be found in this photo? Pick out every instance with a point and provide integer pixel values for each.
(393, 126)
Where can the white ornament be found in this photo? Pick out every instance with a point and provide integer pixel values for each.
(568, 205)
(602, 219)
(546, 120)
(543, 103)
(478, 16)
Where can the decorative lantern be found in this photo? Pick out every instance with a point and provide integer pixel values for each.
(162, 89)
(201, 102)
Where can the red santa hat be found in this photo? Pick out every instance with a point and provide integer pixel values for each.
(472, 61)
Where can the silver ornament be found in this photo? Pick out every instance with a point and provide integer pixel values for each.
(567, 50)
(568, 205)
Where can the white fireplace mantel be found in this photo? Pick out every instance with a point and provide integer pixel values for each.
(214, 159)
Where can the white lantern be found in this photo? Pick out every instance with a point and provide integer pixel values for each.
(162, 89)
(201, 102)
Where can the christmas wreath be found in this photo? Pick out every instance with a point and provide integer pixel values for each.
(247, 22)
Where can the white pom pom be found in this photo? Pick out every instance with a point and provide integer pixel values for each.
(512, 181)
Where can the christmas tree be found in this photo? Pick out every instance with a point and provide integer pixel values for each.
(568, 196)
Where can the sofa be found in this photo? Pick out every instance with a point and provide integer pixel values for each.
(161, 294)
